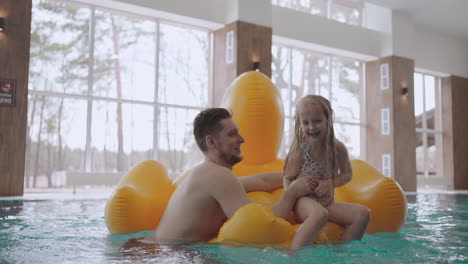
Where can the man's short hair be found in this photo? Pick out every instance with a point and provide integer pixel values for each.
(207, 123)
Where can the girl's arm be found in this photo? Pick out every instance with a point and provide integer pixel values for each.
(345, 171)
(292, 168)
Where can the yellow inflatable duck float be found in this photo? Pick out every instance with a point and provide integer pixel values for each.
(141, 196)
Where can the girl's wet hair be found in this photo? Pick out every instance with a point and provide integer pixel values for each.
(307, 102)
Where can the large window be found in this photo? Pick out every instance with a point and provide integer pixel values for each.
(345, 11)
(297, 72)
(427, 110)
(110, 89)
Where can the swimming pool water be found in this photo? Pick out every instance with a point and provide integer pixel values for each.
(73, 231)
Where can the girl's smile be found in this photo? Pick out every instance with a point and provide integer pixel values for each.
(313, 123)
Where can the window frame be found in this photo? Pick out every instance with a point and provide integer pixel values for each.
(155, 102)
(289, 117)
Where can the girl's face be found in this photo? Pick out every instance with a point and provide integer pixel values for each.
(313, 124)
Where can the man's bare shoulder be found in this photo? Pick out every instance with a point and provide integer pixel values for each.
(211, 171)
(209, 178)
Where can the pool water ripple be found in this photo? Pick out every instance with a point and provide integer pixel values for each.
(74, 231)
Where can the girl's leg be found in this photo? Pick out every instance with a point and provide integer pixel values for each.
(313, 216)
(354, 216)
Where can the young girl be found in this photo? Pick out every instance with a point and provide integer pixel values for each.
(315, 152)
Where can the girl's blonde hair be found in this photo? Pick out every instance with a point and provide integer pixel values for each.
(307, 102)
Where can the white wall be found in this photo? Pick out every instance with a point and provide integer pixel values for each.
(430, 51)
(209, 14)
(377, 18)
(388, 33)
(256, 12)
(320, 31)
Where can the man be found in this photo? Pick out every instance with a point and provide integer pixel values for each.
(211, 193)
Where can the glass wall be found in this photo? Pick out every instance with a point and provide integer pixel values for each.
(427, 110)
(345, 11)
(110, 89)
(298, 72)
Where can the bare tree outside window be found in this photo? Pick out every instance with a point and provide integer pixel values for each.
(183, 73)
(298, 72)
(58, 38)
(128, 84)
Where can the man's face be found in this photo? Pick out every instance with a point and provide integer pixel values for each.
(228, 142)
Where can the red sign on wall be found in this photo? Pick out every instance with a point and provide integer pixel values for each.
(7, 92)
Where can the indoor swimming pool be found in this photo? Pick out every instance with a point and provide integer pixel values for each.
(72, 230)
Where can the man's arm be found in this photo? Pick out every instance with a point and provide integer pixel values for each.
(266, 182)
(273, 180)
(345, 170)
(227, 190)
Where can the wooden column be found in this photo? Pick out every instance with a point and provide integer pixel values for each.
(455, 137)
(14, 65)
(400, 143)
(250, 43)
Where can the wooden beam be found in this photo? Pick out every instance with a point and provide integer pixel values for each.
(14, 65)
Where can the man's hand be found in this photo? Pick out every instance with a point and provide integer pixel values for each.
(323, 186)
(303, 186)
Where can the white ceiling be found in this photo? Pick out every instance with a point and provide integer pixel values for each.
(447, 17)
